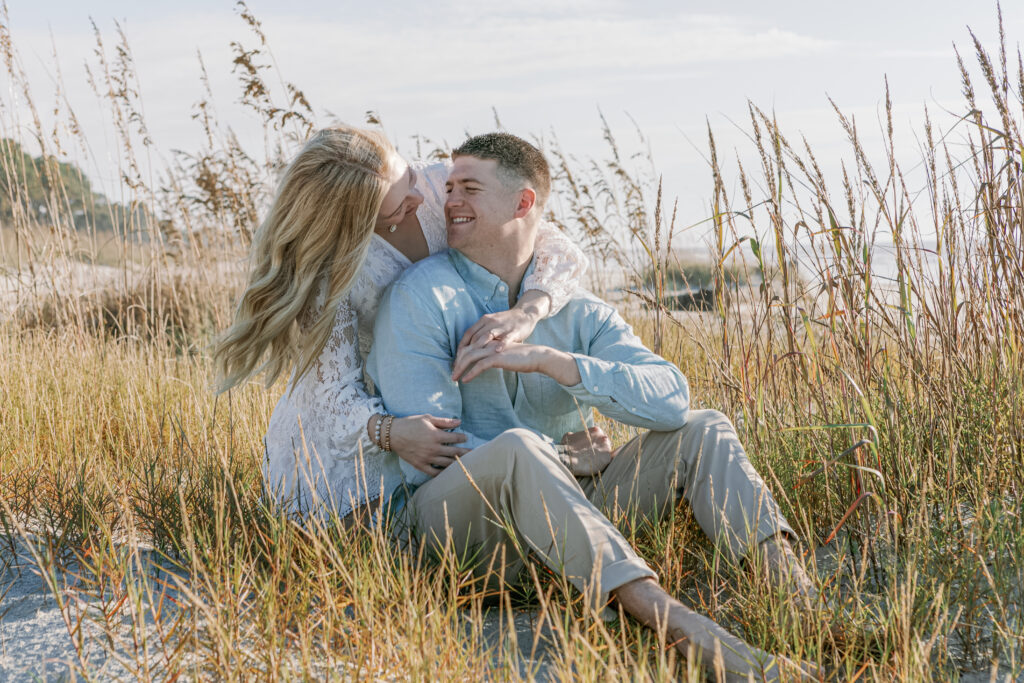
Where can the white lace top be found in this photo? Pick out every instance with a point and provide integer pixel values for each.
(316, 439)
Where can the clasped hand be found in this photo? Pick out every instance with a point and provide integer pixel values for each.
(426, 442)
(587, 452)
(481, 350)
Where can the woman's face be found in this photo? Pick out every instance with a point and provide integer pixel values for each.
(402, 197)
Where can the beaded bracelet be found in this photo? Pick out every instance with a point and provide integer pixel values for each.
(387, 432)
(376, 431)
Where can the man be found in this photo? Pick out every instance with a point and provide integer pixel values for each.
(516, 488)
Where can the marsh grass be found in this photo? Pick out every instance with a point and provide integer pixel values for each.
(884, 409)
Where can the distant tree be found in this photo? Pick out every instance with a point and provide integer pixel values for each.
(47, 190)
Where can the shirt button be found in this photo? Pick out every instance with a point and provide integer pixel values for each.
(596, 389)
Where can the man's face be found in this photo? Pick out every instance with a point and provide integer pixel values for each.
(480, 204)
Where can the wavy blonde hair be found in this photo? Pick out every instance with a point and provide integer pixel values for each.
(319, 227)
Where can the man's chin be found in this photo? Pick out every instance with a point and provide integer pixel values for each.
(455, 238)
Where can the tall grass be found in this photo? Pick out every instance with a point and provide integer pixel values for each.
(887, 414)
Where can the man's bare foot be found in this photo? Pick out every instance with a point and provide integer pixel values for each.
(786, 570)
(694, 635)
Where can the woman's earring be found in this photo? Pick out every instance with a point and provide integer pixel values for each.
(392, 228)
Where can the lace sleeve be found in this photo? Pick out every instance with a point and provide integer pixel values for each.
(558, 268)
(430, 181)
(333, 405)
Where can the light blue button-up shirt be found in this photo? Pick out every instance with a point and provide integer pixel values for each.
(427, 309)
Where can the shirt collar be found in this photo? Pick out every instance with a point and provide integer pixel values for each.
(485, 284)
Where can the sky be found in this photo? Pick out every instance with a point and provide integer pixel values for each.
(441, 69)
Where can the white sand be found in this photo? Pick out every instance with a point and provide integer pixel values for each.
(35, 640)
(35, 643)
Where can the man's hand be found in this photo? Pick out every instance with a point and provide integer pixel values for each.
(587, 452)
(515, 357)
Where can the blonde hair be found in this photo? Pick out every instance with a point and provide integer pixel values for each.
(319, 226)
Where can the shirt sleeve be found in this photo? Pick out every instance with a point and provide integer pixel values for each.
(411, 360)
(559, 266)
(628, 382)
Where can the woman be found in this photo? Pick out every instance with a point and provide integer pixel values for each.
(349, 216)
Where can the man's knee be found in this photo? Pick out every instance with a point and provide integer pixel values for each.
(687, 444)
(704, 420)
(518, 439)
(523, 447)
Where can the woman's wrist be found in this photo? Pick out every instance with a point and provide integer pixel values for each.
(534, 303)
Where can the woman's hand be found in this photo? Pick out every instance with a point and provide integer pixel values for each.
(587, 452)
(421, 440)
(515, 324)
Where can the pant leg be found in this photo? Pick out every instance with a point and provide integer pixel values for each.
(515, 490)
(704, 463)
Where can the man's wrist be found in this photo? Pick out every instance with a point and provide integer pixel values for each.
(561, 367)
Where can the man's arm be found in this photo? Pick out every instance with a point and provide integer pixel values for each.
(410, 362)
(618, 375)
(628, 382)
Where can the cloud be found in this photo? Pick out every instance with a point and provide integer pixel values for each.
(474, 48)
(583, 43)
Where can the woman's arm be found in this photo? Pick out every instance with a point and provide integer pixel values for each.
(332, 400)
(558, 266)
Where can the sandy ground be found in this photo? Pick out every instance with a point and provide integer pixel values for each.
(36, 643)
(41, 641)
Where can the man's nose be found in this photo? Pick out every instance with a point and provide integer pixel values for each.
(454, 198)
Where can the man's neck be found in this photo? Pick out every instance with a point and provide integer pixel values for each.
(510, 267)
(508, 257)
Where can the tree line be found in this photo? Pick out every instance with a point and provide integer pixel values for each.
(46, 191)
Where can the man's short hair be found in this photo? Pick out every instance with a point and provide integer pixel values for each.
(517, 159)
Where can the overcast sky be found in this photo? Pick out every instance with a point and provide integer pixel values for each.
(438, 68)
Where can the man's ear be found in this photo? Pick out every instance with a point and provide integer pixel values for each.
(527, 200)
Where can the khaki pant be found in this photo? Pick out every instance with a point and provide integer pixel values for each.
(514, 495)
